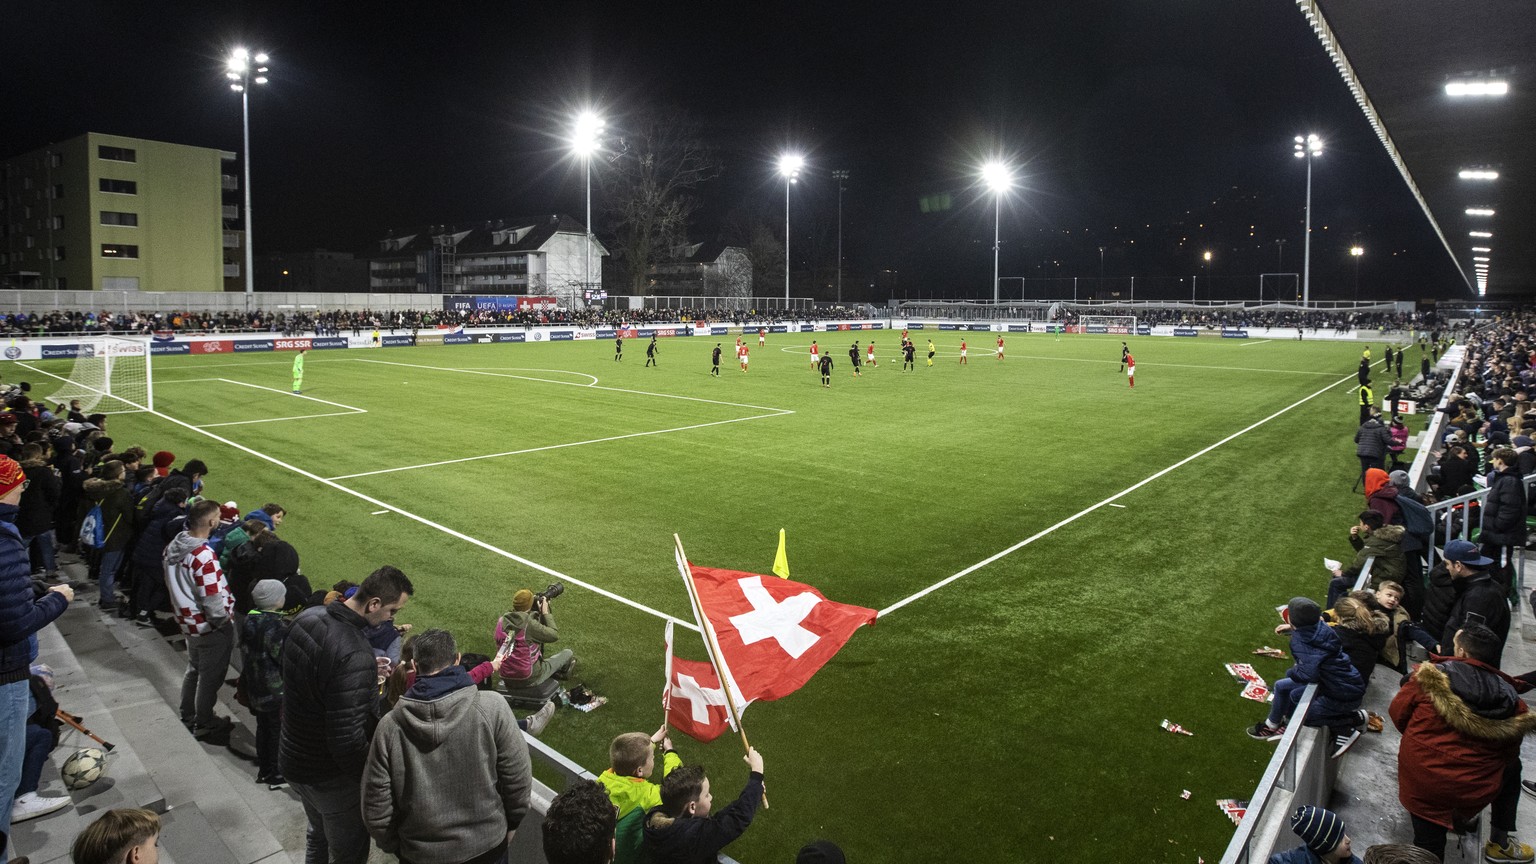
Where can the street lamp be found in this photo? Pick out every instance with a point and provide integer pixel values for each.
(245, 69)
(998, 178)
(1308, 148)
(789, 166)
(841, 176)
(1355, 252)
(584, 142)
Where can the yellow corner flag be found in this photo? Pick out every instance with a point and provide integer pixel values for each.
(781, 560)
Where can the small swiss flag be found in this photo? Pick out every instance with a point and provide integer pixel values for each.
(696, 701)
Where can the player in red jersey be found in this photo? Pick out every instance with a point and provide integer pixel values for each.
(762, 336)
(872, 353)
(999, 348)
(1130, 369)
(744, 358)
(963, 361)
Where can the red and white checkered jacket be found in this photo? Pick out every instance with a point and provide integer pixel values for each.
(199, 595)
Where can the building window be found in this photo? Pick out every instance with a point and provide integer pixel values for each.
(121, 187)
(117, 154)
(58, 190)
(113, 217)
(119, 250)
(55, 160)
(58, 253)
(60, 283)
(57, 223)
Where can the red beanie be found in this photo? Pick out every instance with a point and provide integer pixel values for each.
(11, 475)
(163, 462)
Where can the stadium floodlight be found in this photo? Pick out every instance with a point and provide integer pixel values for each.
(789, 167)
(1481, 249)
(1309, 147)
(243, 70)
(1480, 233)
(999, 178)
(1479, 211)
(1477, 87)
(1479, 258)
(586, 139)
(1477, 174)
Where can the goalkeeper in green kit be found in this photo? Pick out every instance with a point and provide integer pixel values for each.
(298, 372)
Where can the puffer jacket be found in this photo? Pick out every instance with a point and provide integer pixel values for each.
(1363, 643)
(1372, 439)
(1504, 512)
(1461, 724)
(155, 536)
(330, 693)
(116, 512)
(1385, 544)
(1320, 659)
(1438, 599)
(40, 500)
(21, 612)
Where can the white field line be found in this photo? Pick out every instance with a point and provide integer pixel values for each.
(281, 419)
(222, 365)
(159, 380)
(780, 413)
(430, 524)
(1085, 511)
(1121, 506)
(298, 395)
(521, 369)
(1259, 342)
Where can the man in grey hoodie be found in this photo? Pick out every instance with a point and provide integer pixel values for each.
(448, 774)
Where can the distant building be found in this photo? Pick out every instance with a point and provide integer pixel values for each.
(705, 269)
(107, 212)
(546, 256)
(315, 270)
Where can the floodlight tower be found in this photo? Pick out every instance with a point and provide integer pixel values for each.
(585, 142)
(245, 69)
(999, 179)
(789, 166)
(1307, 148)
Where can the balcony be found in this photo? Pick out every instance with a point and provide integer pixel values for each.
(231, 239)
(230, 182)
(231, 271)
(231, 211)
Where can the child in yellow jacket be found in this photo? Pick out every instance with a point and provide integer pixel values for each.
(632, 759)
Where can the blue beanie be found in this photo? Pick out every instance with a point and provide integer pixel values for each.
(1322, 830)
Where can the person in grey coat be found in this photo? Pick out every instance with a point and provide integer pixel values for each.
(1371, 442)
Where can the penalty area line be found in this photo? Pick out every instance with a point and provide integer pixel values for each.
(434, 525)
(1107, 501)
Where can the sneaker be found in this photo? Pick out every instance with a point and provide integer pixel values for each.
(33, 805)
(219, 724)
(1512, 851)
(277, 782)
(1262, 731)
(1529, 787)
(1342, 743)
(565, 673)
(1362, 718)
(540, 718)
(144, 619)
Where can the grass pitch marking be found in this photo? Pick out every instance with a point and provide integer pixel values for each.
(430, 524)
(1260, 342)
(350, 410)
(1107, 501)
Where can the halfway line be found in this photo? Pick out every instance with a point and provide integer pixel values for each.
(1085, 511)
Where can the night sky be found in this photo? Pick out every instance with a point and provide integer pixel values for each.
(1118, 115)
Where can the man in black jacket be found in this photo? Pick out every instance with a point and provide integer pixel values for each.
(1476, 594)
(682, 831)
(330, 687)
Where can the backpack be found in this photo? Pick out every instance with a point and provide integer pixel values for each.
(92, 534)
(1416, 518)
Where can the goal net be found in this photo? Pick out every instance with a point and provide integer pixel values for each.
(109, 375)
(1121, 325)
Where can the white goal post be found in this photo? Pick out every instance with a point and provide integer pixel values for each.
(109, 375)
(1120, 325)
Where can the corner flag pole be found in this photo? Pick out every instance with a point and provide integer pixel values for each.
(727, 683)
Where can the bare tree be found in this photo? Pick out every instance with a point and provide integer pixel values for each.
(663, 159)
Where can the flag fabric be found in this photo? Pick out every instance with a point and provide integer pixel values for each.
(695, 700)
(773, 634)
(781, 560)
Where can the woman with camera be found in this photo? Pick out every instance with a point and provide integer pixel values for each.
(528, 628)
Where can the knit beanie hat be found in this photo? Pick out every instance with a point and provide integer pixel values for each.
(1322, 830)
(268, 594)
(820, 852)
(1399, 478)
(11, 475)
(163, 461)
(522, 601)
(1303, 613)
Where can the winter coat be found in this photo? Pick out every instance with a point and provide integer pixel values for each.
(1363, 644)
(1478, 594)
(629, 793)
(1381, 496)
(261, 650)
(1372, 439)
(1455, 473)
(273, 559)
(1385, 543)
(540, 630)
(1461, 724)
(40, 500)
(1504, 512)
(1303, 855)
(448, 772)
(116, 512)
(1438, 598)
(237, 536)
(155, 536)
(1398, 435)
(1320, 659)
(698, 840)
(200, 598)
(1525, 461)
(22, 613)
(330, 687)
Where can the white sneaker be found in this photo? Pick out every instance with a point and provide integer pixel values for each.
(540, 718)
(33, 805)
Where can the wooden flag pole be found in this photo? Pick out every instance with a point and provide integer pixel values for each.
(666, 688)
(726, 681)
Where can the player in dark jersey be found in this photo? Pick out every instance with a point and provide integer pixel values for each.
(1125, 351)
(714, 361)
(618, 348)
(826, 370)
(853, 355)
(650, 354)
(908, 353)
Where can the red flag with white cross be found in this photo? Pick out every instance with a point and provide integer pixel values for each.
(773, 634)
(696, 703)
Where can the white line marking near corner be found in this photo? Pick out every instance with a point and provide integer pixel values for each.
(1110, 500)
(430, 524)
(1260, 342)
(1121, 506)
(296, 395)
(378, 513)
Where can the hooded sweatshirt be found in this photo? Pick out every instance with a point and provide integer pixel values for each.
(1381, 496)
(448, 773)
(200, 598)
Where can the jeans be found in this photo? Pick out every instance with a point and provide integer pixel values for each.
(207, 662)
(269, 732)
(15, 703)
(42, 546)
(542, 671)
(111, 562)
(336, 832)
(1287, 694)
(39, 745)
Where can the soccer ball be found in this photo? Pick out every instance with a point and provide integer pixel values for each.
(82, 768)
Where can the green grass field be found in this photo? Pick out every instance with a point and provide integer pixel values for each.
(1009, 715)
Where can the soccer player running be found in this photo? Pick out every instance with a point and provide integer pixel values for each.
(744, 358)
(907, 361)
(1125, 351)
(963, 361)
(826, 370)
(872, 362)
(930, 352)
(1130, 369)
(618, 348)
(815, 354)
(714, 361)
(853, 357)
(999, 348)
(298, 372)
(650, 354)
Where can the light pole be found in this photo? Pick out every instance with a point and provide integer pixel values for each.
(242, 75)
(1307, 148)
(789, 166)
(1203, 269)
(841, 176)
(1355, 252)
(998, 178)
(584, 143)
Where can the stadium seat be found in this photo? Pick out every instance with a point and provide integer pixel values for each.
(528, 698)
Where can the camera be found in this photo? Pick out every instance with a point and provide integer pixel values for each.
(554, 590)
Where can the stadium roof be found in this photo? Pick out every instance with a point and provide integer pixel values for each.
(1398, 56)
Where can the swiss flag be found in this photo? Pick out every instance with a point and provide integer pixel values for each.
(773, 633)
(696, 701)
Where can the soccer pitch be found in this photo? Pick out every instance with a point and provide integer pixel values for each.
(1063, 562)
